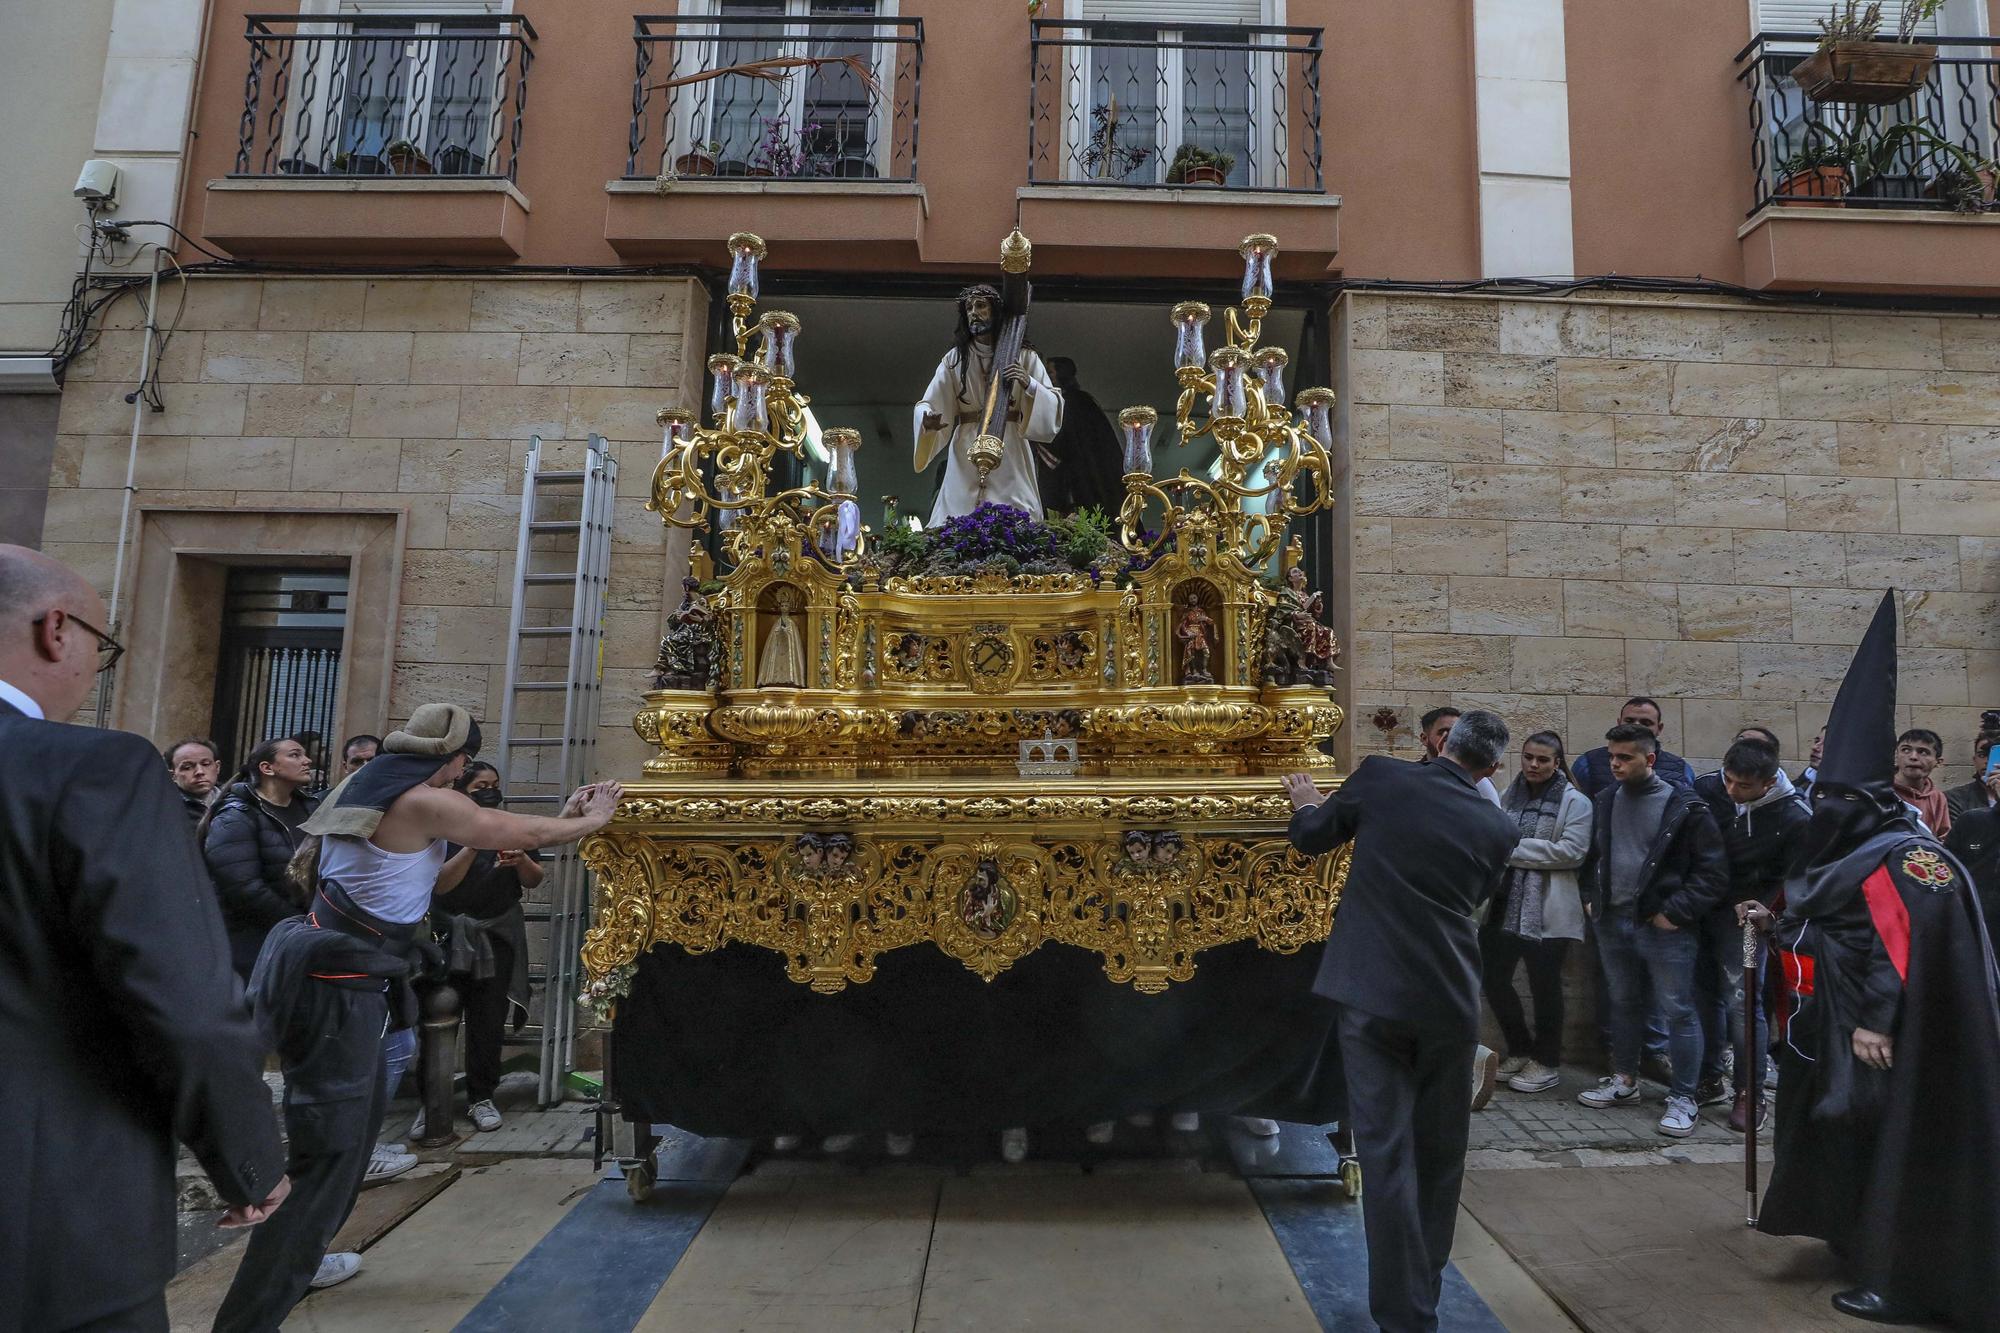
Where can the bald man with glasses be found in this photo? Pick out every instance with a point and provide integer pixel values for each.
(118, 1007)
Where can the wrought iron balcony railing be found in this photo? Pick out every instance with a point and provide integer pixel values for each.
(808, 98)
(1122, 104)
(400, 94)
(1933, 149)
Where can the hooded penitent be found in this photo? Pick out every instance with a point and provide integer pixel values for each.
(433, 737)
(1880, 932)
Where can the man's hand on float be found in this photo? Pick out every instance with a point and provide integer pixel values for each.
(1303, 791)
(577, 799)
(1874, 1049)
(932, 421)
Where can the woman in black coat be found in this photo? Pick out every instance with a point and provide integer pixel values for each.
(248, 839)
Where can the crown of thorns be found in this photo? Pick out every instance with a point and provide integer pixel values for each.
(986, 290)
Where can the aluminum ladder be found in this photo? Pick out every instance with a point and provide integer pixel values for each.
(565, 544)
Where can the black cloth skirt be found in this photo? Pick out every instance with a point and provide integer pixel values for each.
(725, 1044)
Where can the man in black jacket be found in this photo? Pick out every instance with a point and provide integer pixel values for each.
(1761, 818)
(1656, 868)
(1975, 841)
(121, 1028)
(1403, 965)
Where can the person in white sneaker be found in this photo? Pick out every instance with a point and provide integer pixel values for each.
(324, 982)
(1657, 867)
(335, 1269)
(482, 892)
(1538, 912)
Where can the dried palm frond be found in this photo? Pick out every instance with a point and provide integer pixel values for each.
(775, 69)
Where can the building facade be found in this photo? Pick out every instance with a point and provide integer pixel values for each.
(419, 236)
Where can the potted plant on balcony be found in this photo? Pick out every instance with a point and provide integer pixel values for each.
(1195, 165)
(1856, 64)
(699, 160)
(1816, 176)
(406, 159)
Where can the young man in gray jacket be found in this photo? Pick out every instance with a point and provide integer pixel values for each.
(1656, 869)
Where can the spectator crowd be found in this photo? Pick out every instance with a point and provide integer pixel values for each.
(1630, 855)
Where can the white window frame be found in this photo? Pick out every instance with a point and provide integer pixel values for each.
(1268, 132)
(694, 117)
(414, 115)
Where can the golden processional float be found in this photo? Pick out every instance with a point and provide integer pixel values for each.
(984, 739)
(988, 762)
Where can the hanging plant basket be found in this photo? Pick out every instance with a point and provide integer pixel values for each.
(1866, 73)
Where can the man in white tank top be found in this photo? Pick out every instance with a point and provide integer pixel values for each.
(321, 988)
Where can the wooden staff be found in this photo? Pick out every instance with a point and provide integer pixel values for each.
(1753, 1078)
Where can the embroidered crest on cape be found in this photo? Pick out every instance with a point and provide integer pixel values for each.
(1927, 867)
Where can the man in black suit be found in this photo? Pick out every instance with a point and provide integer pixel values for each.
(121, 1025)
(1403, 964)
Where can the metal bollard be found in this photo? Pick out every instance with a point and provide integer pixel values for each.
(437, 1058)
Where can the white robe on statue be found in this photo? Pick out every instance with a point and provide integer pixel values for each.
(1012, 482)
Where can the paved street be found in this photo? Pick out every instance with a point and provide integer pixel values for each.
(1213, 1230)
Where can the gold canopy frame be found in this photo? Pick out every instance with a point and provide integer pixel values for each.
(883, 795)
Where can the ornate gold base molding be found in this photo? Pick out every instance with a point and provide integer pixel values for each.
(1146, 878)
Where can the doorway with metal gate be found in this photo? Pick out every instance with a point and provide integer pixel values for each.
(278, 669)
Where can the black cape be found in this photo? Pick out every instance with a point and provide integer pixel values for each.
(1090, 470)
(1894, 1168)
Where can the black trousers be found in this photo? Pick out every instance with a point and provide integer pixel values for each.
(148, 1316)
(1501, 954)
(329, 1144)
(1409, 1092)
(485, 1017)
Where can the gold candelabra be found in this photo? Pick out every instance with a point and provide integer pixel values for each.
(757, 415)
(1263, 450)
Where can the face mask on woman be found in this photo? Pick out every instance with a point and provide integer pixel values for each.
(487, 797)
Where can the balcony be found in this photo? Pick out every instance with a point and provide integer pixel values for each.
(813, 119)
(378, 133)
(1222, 123)
(1889, 197)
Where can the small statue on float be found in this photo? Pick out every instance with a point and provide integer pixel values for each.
(689, 654)
(1298, 649)
(783, 662)
(1194, 630)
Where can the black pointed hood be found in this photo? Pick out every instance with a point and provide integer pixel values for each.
(1861, 731)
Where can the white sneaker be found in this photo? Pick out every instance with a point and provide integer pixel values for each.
(1679, 1120)
(485, 1115)
(1534, 1077)
(1259, 1126)
(1185, 1122)
(386, 1162)
(835, 1144)
(1610, 1091)
(1770, 1075)
(901, 1145)
(1485, 1073)
(786, 1142)
(416, 1127)
(334, 1269)
(1100, 1133)
(1513, 1065)
(1014, 1146)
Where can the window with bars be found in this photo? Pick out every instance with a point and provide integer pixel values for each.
(812, 121)
(279, 669)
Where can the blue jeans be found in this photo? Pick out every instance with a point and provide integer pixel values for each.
(1642, 962)
(399, 1052)
(1718, 986)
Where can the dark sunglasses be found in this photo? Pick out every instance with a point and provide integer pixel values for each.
(109, 650)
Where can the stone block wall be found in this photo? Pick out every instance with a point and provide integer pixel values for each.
(418, 394)
(1560, 503)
